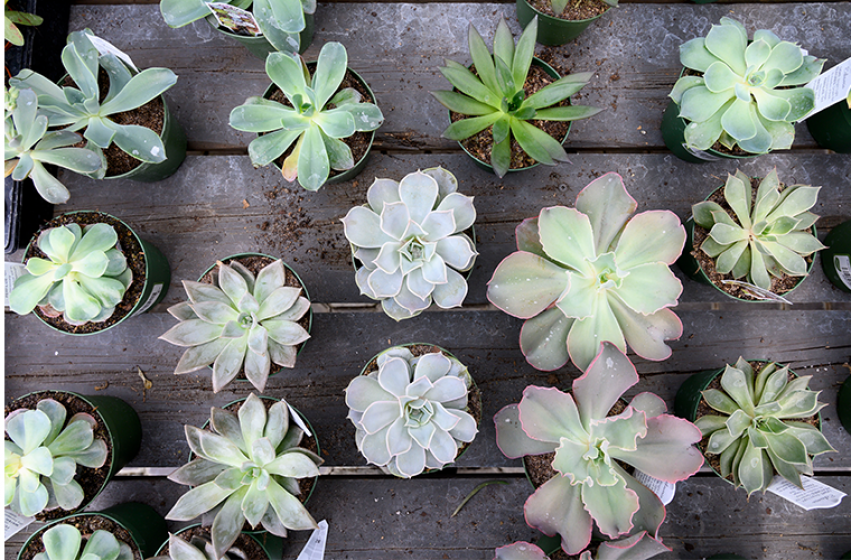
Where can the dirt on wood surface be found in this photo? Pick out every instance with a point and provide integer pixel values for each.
(576, 9)
(244, 543)
(87, 524)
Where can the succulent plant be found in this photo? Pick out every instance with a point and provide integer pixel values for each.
(746, 92)
(640, 546)
(494, 97)
(590, 274)
(410, 414)
(590, 485)
(80, 107)
(756, 433)
(246, 471)
(42, 454)
(28, 146)
(11, 32)
(63, 542)
(198, 548)
(245, 323)
(83, 278)
(410, 242)
(770, 235)
(316, 119)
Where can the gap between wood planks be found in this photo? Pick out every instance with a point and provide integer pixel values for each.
(124, 2)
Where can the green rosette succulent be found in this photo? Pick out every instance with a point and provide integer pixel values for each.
(63, 542)
(640, 546)
(198, 548)
(759, 432)
(42, 455)
(748, 94)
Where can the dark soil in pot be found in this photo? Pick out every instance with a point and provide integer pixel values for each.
(584, 9)
(132, 251)
(87, 525)
(251, 548)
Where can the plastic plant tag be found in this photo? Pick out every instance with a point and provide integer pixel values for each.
(14, 523)
(757, 292)
(842, 263)
(315, 547)
(831, 87)
(701, 154)
(239, 21)
(12, 271)
(814, 495)
(105, 47)
(665, 490)
(299, 422)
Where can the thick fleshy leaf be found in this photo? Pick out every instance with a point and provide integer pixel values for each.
(294, 465)
(524, 284)
(646, 334)
(362, 227)
(548, 415)
(452, 292)
(666, 452)
(197, 501)
(608, 206)
(655, 236)
(649, 287)
(543, 339)
(585, 335)
(556, 508)
(567, 236)
(608, 377)
(611, 507)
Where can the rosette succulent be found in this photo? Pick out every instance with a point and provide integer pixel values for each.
(63, 542)
(246, 470)
(82, 279)
(590, 486)
(241, 323)
(765, 237)
(640, 546)
(410, 242)
(411, 413)
(42, 454)
(198, 548)
(590, 274)
(762, 429)
(748, 94)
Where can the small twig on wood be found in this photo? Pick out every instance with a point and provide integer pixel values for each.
(473, 493)
(146, 384)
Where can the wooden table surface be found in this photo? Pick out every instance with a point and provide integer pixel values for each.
(217, 205)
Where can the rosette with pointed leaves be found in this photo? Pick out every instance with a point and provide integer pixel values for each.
(410, 242)
(770, 235)
(316, 119)
(411, 414)
(494, 97)
(83, 278)
(198, 548)
(246, 471)
(590, 486)
(63, 542)
(590, 274)
(756, 434)
(42, 454)
(640, 546)
(747, 94)
(245, 323)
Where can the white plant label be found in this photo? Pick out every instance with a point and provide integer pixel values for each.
(235, 19)
(315, 547)
(842, 263)
(831, 87)
(14, 523)
(700, 154)
(155, 293)
(665, 490)
(814, 495)
(12, 271)
(105, 47)
(299, 422)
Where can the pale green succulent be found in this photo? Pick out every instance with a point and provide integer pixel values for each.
(62, 542)
(640, 546)
(748, 94)
(316, 120)
(770, 235)
(241, 323)
(83, 278)
(590, 274)
(76, 108)
(756, 434)
(42, 455)
(246, 471)
(198, 548)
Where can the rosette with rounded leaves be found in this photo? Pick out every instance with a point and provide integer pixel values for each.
(241, 323)
(590, 274)
(640, 546)
(83, 278)
(198, 548)
(63, 542)
(246, 470)
(747, 94)
(411, 414)
(410, 242)
(42, 454)
(590, 486)
(757, 433)
(770, 235)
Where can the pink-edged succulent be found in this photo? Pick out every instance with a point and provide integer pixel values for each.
(590, 274)
(640, 546)
(590, 486)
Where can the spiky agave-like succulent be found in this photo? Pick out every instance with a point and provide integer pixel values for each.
(590, 274)
(62, 542)
(197, 548)
(83, 278)
(590, 486)
(42, 454)
(770, 236)
(640, 546)
(747, 94)
(243, 323)
(246, 470)
(410, 242)
(756, 433)
(410, 414)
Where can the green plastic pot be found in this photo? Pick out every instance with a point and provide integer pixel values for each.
(552, 31)
(836, 259)
(157, 277)
(843, 404)
(831, 128)
(272, 545)
(673, 133)
(260, 46)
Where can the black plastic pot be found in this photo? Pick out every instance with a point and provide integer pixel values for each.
(843, 404)
(272, 545)
(260, 46)
(831, 128)
(552, 31)
(673, 133)
(836, 259)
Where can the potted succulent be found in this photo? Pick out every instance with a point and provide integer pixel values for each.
(241, 320)
(87, 272)
(194, 543)
(757, 420)
(753, 239)
(561, 21)
(144, 153)
(513, 112)
(409, 243)
(415, 409)
(278, 25)
(591, 273)
(640, 546)
(584, 440)
(831, 127)
(62, 449)
(250, 467)
(738, 98)
(836, 256)
(312, 128)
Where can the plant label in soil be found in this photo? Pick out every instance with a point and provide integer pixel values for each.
(315, 547)
(299, 422)
(665, 490)
(842, 263)
(13, 271)
(814, 495)
(236, 19)
(831, 87)
(15, 523)
(105, 47)
(155, 293)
